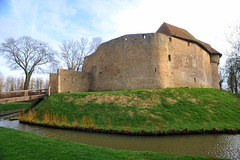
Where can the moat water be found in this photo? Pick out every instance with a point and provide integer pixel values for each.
(214, 145)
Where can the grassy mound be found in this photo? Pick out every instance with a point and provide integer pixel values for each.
(142, 110)
(14, 106)
(17, 145)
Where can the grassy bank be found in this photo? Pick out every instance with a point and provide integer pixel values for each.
(14, 106)
(142, 110)
(17, 145)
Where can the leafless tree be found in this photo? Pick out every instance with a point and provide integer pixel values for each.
(1, 82)
(96, 41)
(233, 74)
(73, 53)
(32, 83)
(12, 84)
(46, 84)
(20, 83)
(8, 84)
(38, 83)
(28, 54)
(233, 61)
(222, 76)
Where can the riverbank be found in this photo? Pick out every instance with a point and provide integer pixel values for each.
(10, 108)
(141, 112)
(22, 145)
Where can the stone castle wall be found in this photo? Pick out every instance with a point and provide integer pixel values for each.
(53, 83)
(146, 61)
(72, 81)
(127, 62)
(189, 65)
(143, 61)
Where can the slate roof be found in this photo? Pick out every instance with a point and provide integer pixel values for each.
(183, 34)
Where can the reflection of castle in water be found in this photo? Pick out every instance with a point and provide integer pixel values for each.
(171, 57)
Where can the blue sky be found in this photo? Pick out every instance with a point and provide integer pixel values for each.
(55, 20)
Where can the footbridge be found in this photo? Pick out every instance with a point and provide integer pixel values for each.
(23, 95)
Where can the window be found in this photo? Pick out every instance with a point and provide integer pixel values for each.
(125, 38)
(143, 36)
(188, 43)
(169, 57)
(195, 79)
(155, 69)
(170, 39)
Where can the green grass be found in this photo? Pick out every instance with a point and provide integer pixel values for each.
(19, 145)
(14, 106)
(149, 110)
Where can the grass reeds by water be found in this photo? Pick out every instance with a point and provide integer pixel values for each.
(19, 145)
(158, 110)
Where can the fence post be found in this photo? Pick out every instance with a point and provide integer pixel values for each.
(26, 93)
(49, 90)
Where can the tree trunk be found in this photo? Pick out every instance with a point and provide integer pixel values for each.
(236, 84)
(26, 83)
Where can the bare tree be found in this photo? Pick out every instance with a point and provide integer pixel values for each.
(233, 61)
(32, 83)
(1, 82)
(222, 76)
(12, 84)
(73, 53)
(46, 84)
(96, 41)
(233, 74)
(38, 83)
(20, 83)
(8, 84)
(28, 54)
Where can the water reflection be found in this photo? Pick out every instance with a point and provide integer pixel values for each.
(222, 146)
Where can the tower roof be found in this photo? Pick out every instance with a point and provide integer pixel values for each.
(183, 34)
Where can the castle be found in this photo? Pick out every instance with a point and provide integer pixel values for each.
(171, 57)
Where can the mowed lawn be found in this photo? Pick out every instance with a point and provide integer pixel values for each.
(14, 106)
(19, 145)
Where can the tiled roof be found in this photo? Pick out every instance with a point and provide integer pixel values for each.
(183, 34)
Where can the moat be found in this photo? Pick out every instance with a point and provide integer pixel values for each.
(214, 145)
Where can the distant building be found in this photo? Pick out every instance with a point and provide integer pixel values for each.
(171, 57)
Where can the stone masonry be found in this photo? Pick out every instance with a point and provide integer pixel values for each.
(171, 57)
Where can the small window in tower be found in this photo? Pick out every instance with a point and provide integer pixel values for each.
(125, 38)
(169, 57)
(188, 43)
(155, 69)
(195, 79)
(100, 72)
(170, 39)
(143, 36)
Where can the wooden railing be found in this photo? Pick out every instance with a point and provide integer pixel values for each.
(23, 95)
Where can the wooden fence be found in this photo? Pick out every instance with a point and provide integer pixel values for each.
(23, 95)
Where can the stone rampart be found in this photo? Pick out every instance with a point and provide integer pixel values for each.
(53, 83)
(143, 61)
(146, 61)
(72, 81)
